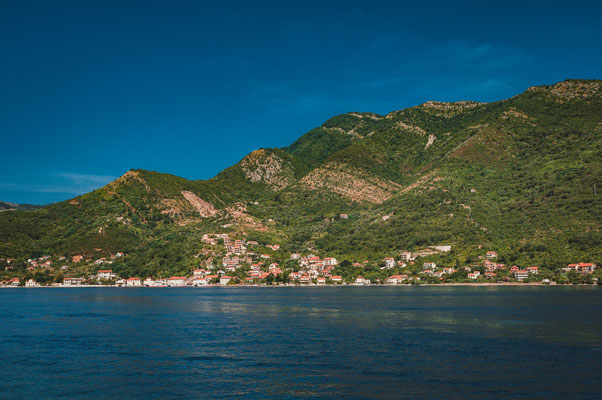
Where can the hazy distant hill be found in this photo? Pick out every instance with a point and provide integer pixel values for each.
(21, 207)
(516, 175)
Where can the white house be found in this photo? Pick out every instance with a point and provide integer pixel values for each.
(474, 275)
(200, 281)
(31, 283)
(224, 280)
(521, 274)
(336, 278)
(490, 255)
(396, 279)
(328, 261)
(149, 282)
(73, 281)
(361, 281)
(106, 274)
(533, 270)
(389, 263)
(405, 256)
(176, 281)
(321, 280)
(429, 265)
(133, 282)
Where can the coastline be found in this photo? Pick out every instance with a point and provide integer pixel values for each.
(458, 284)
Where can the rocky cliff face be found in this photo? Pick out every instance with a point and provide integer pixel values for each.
(267, 167)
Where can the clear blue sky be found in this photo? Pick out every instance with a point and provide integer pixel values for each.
(91, 89)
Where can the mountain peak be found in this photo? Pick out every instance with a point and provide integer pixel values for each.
(570, 89)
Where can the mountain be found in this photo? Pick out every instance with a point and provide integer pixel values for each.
(20, 207)
(521, 176)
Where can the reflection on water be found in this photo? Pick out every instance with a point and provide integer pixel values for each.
(420, 342)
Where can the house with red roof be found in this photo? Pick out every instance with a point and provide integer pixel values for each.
(521, 274)
(133, 282)
(533, 270)
(474, 275)
(396, 279)
(177, 281)
(330, 261)
(583, 268)
(361, 281)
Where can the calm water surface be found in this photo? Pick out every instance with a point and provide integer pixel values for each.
(267, 343)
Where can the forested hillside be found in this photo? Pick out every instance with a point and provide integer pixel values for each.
(521, 176)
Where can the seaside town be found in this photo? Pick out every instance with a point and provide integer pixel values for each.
(226, 261)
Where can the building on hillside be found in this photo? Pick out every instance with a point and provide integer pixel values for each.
(321, 280)
(106, 274)
(429, 265)
(405, 256)
(31, 283)
(389, 263)
(490, 255)
(474, 275)
(330, 261)
(521, 274)
(583, 268)
(336, 278)
(224, 280)
(533, 270)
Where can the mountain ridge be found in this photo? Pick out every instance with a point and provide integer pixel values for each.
(462, 172)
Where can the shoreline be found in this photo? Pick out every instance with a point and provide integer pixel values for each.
(459, 284)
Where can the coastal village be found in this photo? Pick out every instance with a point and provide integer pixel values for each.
(223, 260)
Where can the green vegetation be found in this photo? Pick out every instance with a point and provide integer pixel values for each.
(521, 176)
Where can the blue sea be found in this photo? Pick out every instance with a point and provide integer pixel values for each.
(301, 343)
